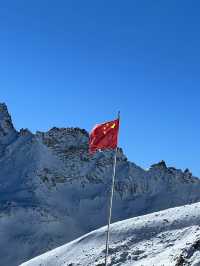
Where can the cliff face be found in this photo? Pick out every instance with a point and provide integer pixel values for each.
(52, 190)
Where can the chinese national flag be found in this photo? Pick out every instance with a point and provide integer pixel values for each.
(104, 136)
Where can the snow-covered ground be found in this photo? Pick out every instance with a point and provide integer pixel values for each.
(166, 238)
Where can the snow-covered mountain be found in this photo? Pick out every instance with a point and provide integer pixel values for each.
(166, 238)
(52, 191)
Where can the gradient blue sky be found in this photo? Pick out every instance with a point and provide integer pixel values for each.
(76, 63)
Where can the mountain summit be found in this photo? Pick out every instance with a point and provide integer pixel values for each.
(52, 191)
(7, 131)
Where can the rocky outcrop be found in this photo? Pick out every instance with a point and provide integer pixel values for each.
(7, 131)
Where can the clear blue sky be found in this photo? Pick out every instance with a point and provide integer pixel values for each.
(76, 63)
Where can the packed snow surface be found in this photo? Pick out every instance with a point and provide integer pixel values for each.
(166, 238)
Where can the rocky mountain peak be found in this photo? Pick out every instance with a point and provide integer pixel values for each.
(7, 130)
(63, 139)
(160, 165)
(3, 106)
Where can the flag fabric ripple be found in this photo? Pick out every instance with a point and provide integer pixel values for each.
(104, 136)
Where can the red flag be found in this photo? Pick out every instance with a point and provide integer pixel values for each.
(104, 136)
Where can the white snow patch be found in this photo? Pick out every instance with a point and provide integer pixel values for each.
(161, 239)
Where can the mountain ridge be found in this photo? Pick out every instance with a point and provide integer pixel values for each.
(52, 191)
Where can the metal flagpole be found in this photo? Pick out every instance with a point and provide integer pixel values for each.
(110, 203)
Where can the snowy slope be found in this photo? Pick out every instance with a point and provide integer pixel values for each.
(52, 191)
(166, 238)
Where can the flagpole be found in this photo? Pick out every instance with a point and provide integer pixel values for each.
(110, 203)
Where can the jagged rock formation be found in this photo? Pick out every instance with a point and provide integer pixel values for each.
(52, 190)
